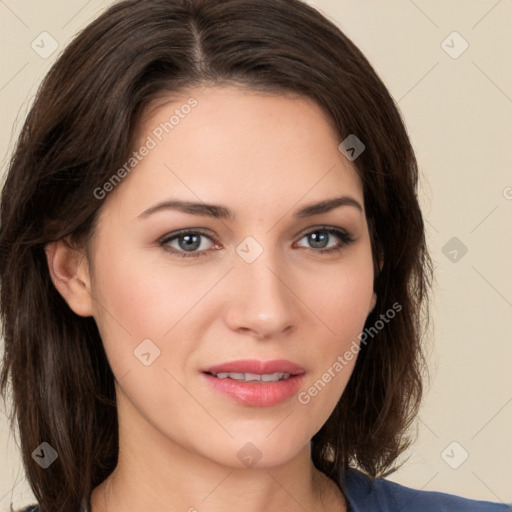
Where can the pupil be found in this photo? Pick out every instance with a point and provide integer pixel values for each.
(190, 242)
(314, 237)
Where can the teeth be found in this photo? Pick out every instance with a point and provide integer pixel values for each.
(248, 377)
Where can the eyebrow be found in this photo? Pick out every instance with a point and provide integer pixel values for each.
(221, 212)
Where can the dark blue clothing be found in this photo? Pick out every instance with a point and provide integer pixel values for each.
(380, 495)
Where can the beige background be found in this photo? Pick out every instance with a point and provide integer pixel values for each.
(459, 115)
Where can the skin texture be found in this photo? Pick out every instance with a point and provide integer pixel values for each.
(264, 157)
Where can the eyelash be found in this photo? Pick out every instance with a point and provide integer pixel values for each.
(346, 239)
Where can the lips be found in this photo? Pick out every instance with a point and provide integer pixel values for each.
(256, 367)
(236, 381)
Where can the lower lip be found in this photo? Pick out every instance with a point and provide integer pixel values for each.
(257, 394)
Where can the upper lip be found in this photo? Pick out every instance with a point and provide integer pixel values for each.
(256, 366)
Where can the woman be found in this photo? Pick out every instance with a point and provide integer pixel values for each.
(189, 172)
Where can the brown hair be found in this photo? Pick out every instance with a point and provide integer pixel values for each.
(81, 129)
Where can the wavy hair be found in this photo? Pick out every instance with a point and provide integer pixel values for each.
(81, 128)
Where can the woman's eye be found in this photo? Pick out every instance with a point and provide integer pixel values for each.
(318, 239)
(188, 243)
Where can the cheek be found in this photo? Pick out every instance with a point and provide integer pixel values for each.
(339, 301)
(143, 298)
(145, 293)
(136, 300)
(339, 294)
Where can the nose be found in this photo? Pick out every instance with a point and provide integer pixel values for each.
(261, 301)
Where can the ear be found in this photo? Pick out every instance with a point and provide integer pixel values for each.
(69, 272)
(373, 302)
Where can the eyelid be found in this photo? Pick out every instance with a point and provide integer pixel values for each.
(322, 227)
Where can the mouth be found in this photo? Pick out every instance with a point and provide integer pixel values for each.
(256, 383)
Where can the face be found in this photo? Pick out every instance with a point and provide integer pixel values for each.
(179, 291)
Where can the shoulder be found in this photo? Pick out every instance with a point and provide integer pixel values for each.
(367, 495)
(31, 508)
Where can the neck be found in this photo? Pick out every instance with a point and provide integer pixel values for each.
(182, 481)
(156, 473)
(216, 489)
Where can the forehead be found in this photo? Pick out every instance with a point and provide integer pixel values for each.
(235, 146)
